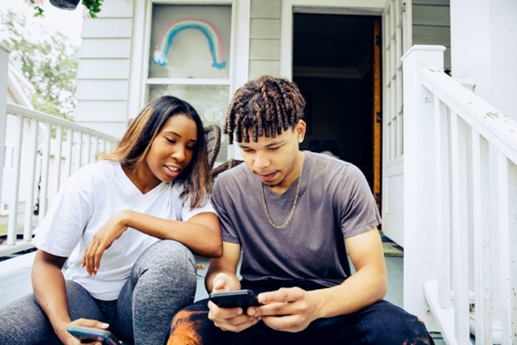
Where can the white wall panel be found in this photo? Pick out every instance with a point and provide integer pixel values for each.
(116, 9)
(105, 48)
(102, 90)
(115, 129)
(435, 36)
(107, 28)
(266, 8)
(431, 15)
(258, 68)
(261, 49)
(431, 2)
(265, 34)
(102, 111)
(103, 69)
(265, 28)
(432, 25)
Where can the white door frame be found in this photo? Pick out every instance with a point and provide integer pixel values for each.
(357, 7)
(394, 29)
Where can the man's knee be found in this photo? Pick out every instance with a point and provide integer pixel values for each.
(189, 324)
(393, 325)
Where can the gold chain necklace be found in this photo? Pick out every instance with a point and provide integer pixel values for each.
(294, 202)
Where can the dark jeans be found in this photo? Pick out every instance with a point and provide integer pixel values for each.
(380, 323)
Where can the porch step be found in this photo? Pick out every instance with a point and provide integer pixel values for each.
(15, 277)
(391, 249)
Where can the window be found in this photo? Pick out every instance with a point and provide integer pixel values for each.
(189, 57)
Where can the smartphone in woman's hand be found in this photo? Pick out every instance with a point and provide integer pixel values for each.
(90, 334)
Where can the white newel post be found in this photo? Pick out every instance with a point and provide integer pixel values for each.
(420, 226)
(4, 66)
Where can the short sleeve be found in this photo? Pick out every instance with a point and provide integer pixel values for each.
(68, 216)
(359, 211)
(222, 204)
(187, 212)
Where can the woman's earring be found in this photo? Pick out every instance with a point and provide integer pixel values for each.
(300, 140)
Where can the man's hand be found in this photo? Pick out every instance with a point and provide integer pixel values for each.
(228, 319)
(287, 309)
(101, 241)
(69, 339)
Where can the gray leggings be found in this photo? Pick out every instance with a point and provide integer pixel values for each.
(162, 281)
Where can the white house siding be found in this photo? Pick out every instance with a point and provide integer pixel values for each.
(432, 25)
(265, 38)
(485, 50)
(104, 69)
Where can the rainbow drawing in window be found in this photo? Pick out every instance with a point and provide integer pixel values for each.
(213, 36)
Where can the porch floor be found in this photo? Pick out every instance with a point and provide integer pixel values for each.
(15, 280)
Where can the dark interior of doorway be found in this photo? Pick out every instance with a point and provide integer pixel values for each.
(333, 67)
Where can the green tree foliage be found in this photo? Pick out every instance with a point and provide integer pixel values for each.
(93, 6)
(47, 58)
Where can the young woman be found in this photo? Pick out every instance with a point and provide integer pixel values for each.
(127, 225)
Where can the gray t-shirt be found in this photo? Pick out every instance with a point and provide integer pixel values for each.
(334, 203)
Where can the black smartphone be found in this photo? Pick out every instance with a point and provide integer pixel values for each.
(235, 299)
(90, 334)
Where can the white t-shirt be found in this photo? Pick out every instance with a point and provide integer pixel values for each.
(86, 202)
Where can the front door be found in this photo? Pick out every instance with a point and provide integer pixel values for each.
(396, 40)
(336, 65)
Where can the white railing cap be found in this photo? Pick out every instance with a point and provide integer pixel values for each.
(426, 48)
(498, 128)
(37, 115)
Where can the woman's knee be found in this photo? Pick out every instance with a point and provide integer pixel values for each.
(168, 267)
(167, 257)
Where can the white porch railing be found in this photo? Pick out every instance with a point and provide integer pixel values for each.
(37, 153)
(45, 151)
(460, 213)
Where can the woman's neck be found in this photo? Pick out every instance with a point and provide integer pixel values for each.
(145, 181)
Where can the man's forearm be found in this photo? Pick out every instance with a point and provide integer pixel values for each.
(212, 273)
(362, 289)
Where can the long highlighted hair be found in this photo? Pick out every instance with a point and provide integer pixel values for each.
(132, 149)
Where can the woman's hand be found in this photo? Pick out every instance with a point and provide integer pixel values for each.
(228, 319)
(287, 309)
(102, 240)
(69, 339)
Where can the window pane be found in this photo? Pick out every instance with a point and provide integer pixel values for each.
(210, 102)
(190, 41)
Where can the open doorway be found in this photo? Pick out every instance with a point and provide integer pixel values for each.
(334, 66)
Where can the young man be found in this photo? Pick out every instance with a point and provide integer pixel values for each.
(293, 215)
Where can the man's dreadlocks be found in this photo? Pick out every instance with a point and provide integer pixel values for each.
(269, 105)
